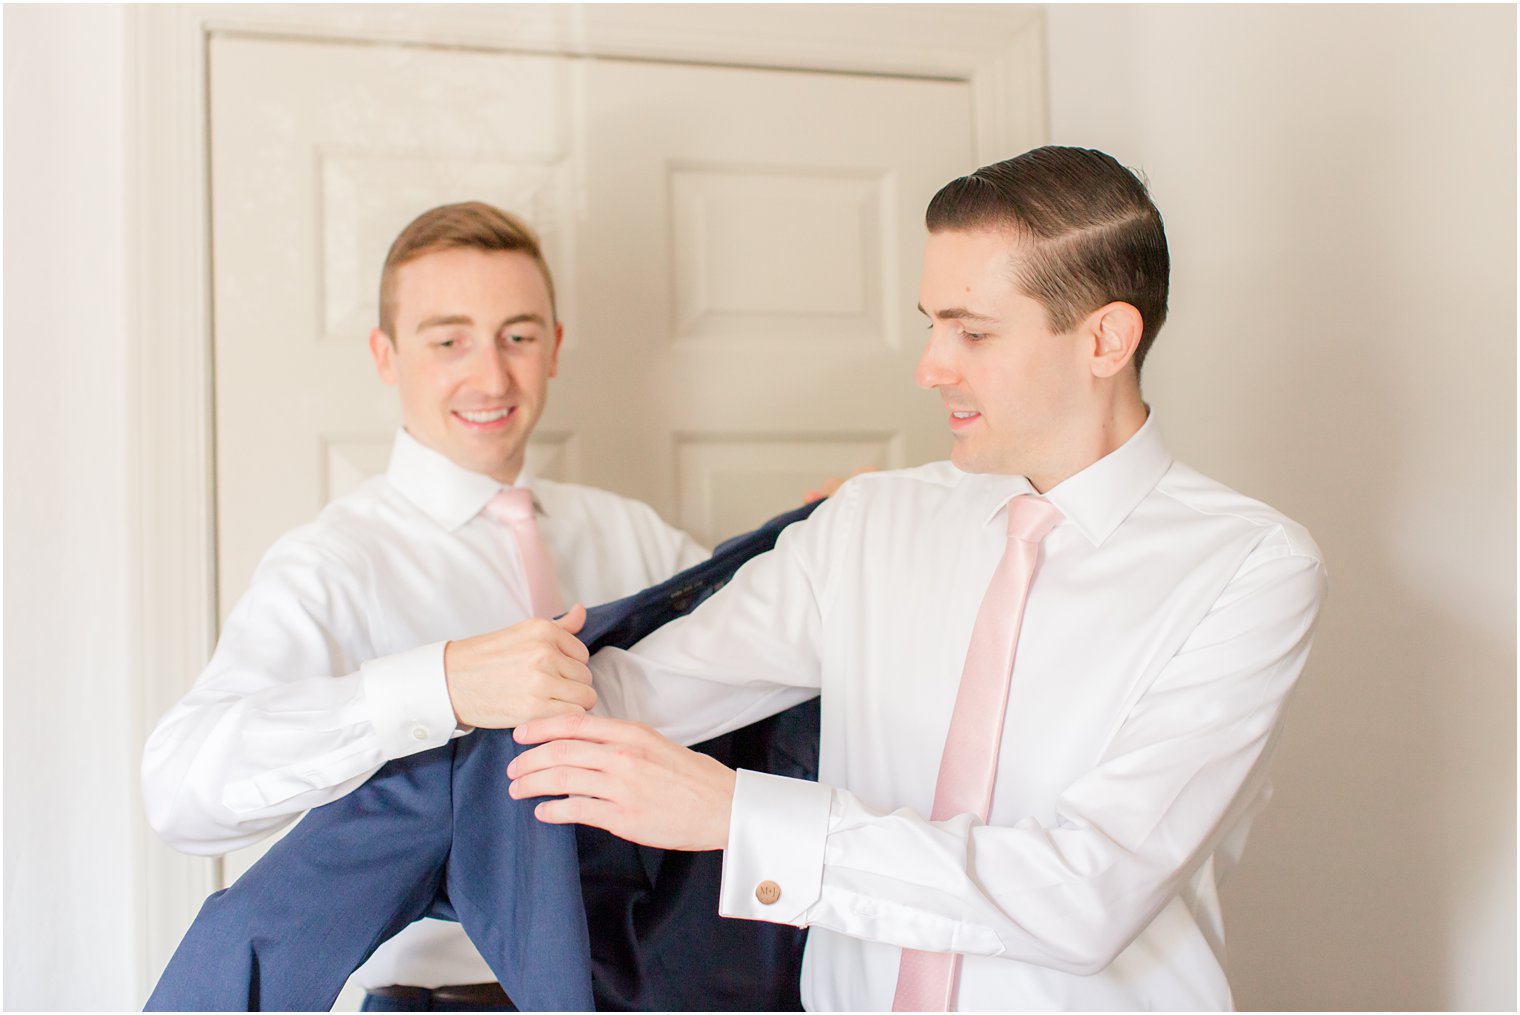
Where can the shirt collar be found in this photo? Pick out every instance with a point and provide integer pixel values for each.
(446, 493)
(1101, 496)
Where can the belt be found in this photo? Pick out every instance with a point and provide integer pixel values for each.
(464, 993)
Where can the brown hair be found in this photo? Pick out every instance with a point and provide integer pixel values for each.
(1090, 233)
(470, 224)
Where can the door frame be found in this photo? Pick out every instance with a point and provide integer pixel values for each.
(997, 50)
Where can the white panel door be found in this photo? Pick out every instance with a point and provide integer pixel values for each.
(736, 253)
(756, 237)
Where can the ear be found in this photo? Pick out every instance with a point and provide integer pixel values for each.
(559, 337)
(1115, 331)
(383, 350)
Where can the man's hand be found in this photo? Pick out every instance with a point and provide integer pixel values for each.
(625, 778)
(526, 671)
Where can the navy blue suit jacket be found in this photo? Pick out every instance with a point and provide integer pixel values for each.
(567, 918)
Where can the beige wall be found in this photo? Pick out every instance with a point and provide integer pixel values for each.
(1339, 190)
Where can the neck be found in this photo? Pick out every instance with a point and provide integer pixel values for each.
(1099, 437)
(506, 475)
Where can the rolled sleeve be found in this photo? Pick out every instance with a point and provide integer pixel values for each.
(773, 867)
(409, 702)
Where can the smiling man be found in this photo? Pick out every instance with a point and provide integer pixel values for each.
(381, 629)
(1052, 668)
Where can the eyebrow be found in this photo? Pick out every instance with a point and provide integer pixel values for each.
(443, 320)
(957, 314)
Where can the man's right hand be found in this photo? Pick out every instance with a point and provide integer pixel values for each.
(527, 671)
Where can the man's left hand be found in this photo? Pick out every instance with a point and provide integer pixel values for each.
(626, 778)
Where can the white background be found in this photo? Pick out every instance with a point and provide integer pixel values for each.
(1339, 189)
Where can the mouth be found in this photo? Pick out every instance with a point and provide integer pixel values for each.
(959, 420)
(485, 419)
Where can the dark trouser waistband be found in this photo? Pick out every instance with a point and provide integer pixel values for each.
(476, 996)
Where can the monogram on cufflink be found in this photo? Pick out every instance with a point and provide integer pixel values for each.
(768, 892)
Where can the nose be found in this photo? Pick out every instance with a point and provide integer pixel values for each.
(490, 371)
(934, 369)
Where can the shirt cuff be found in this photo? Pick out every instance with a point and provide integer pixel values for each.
(409, 700)
(773, 867)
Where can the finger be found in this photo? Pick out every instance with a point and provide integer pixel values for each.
(564, 781)
(538, 731)
(575, 692)
(570, 646)
(595, 728)
(579, 810)
(571, 669)
(556, 707)
(562, 754)
(566, 643)
(573, 620)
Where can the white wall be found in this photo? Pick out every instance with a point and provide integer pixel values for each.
(71, 930)
(1338, 185)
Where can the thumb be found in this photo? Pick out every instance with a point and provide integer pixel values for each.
(574, 620)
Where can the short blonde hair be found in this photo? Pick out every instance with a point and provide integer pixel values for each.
(472, 224)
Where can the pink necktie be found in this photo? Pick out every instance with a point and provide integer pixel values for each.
(513, 507)
(927, 981)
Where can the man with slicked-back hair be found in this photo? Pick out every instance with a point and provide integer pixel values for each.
(1052, 669)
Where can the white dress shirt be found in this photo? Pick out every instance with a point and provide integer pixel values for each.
(331, 663)
(1166, 625)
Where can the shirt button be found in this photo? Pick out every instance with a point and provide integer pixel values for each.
(768, 892)
(419, 733)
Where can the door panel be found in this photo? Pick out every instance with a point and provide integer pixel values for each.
(756, 239)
